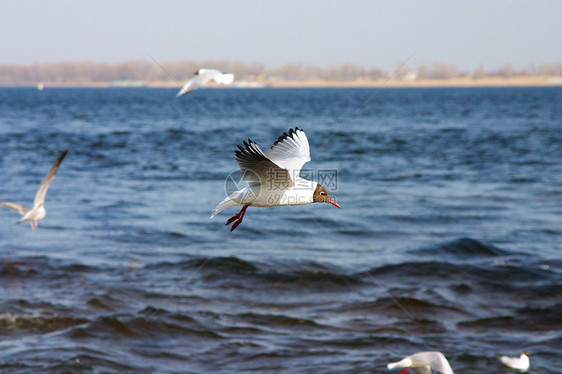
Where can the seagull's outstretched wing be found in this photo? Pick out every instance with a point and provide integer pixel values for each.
(291, 151)
(257, 168)
(209, 72)
(224, 78)
(520, 363)
(194, 83)
(436, 360)
(42, 191)
(425, 362)
(18, 208)
(201, 78)
(509, 361)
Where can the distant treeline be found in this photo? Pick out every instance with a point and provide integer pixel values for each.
(148, 71)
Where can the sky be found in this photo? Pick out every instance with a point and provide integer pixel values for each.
(316, 32)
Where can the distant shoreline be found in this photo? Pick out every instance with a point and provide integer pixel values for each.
(424, 83)
(427, 83)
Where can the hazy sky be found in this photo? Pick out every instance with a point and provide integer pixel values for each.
(323, 32)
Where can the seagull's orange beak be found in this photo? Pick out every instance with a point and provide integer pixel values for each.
(334, 204)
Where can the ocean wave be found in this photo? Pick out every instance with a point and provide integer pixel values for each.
(272, 321)
(484, 275)
(523, 319)
(393, 305)
(233, 265)
(464, 248)
(223, 269)
(145, 324)
(37, 323)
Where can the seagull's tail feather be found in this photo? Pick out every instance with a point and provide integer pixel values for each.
(225, 204)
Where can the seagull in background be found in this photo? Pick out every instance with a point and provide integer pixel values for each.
(38, 211)
(520, 363)
(423, 362)
(204, 76)
(273, 179)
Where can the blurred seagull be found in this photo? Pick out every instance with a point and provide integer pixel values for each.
(37, 212)
(204, 76)
(423, 362)
(273, 179)
(520, 363)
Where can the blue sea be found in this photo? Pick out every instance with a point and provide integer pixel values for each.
(449, 235)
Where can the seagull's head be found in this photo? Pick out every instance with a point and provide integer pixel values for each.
(322, 196)
(527, 353)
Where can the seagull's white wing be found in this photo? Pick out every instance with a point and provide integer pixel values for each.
(291, 151)
(211, 72)
(227, 78)
(436, 360)
(42, 191)
(508, 361)
(18, 208)
(202, 77)
(258, 169)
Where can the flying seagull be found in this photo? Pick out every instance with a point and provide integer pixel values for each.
(520, 363)
(273, 179)
(204, 76)
(423, 362)
(37, 212)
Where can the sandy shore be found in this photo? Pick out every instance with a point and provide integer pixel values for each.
(456, 82)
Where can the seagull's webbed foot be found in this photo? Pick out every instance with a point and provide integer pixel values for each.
(406, 370)
(237, 218)
(232, 219)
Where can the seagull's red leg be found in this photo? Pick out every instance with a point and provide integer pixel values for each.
(232, 219)
(237, 217)
(242, 212)
(406, 371)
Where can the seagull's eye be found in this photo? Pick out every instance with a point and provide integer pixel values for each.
(323, 193)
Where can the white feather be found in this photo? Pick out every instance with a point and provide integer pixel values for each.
(520, 363)
(291, 151)
(424, 362)
(204, 76)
